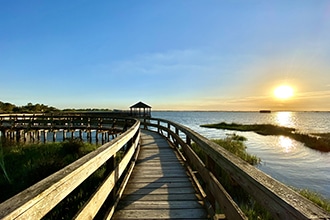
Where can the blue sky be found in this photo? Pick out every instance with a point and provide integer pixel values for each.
(186, 55)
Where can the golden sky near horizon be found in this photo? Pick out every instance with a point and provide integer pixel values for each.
(308, 78)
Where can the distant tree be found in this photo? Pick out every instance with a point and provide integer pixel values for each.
(6, 107)
(16, 109)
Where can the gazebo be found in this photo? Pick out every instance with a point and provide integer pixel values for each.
(141, 109)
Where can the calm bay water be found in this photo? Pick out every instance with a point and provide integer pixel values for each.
(286, 160)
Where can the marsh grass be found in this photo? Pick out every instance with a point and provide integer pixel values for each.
(26, 164)
(319, 142)
(2, 163)
(234, 144)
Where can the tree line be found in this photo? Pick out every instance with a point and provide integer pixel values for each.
(39, 108)
(29, 108)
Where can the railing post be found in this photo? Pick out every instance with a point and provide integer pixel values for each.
(188, 141)
(38, 135)
(145, 124)
(3, 133)
(103, 137)
(210, 165)
(97, 136)
(158, 125)
(45, 136)
(111, 164)
(64, 135)
(54, 135)
(177, 133)
(18, 135)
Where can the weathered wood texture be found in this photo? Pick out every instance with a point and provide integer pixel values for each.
(159, 187)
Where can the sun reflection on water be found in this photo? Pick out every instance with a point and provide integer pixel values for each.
(286, 144)
(285, 119)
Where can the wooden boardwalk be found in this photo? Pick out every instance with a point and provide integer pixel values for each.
(159, 187)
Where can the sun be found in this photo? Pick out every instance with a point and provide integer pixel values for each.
(283, 92)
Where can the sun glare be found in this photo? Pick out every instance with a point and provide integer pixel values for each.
(283, 92)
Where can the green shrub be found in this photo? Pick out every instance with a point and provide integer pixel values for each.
(73, 146)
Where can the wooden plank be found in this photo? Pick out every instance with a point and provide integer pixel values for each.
(159, 184)
(158, 155)
(145, 172)
(159, 191)
(161, 175)
(158, 180)
(157, 165)
(161, 214)
(136, 205)
(161, 197)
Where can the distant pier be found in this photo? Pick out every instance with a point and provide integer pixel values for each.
(265, 111)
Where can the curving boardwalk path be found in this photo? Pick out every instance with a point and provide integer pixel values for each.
(159, 187)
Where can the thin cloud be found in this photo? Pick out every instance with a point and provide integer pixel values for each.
(314, 95)
(171, 62)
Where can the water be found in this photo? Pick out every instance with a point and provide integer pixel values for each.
(285, 159)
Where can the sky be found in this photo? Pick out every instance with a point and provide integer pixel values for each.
(172, 55)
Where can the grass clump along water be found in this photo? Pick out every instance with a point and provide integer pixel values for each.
(234, 144)
(23, 165)
(319, 142)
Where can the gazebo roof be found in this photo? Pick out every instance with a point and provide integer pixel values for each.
(140, 105)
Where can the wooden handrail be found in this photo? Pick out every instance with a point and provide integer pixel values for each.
(39, 199)
(280, 200)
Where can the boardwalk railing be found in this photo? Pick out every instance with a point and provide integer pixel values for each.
(36, 201)
(281, 201)
(38, 127)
